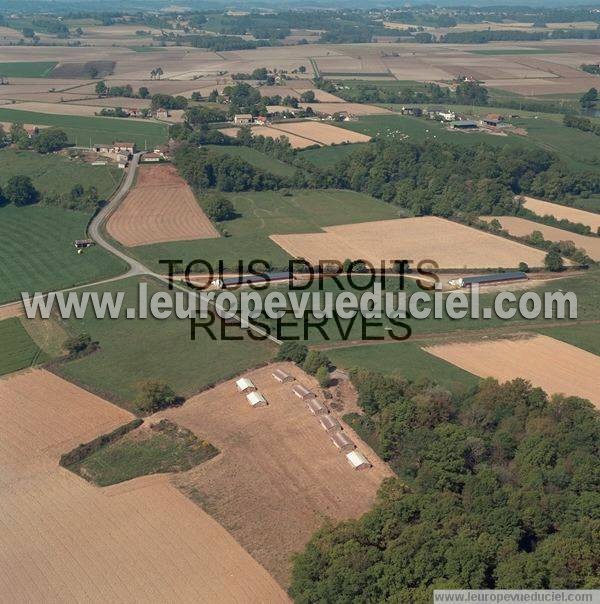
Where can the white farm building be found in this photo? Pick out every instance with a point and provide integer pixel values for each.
(256, 399)
(245, 385)
(357, 460)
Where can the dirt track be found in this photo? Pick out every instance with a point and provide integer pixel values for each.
(278, 476)
(161, 207)
(66, 540)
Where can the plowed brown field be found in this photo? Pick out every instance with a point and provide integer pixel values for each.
(553, 365)
(278, 476)
(161, 207)
(64, 540)
(450, 244)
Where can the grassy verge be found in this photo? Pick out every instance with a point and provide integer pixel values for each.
(27, 69)
(17, 349)
(36, 246)
(406, 360)
(84, 131)
(134, 350)
(161, 447)
(257, 159)
(57, 174)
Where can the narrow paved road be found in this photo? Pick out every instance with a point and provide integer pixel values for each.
(95, 228)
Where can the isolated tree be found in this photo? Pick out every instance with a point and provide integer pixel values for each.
(49, 140)
(78, 344)
(302, 69)
(219, 208)
(524, 267)
(20, 191)
(322, 376)
(308, 96)
(292, 351)
(314, 361)
(553, 261)
(154, 395)
(143, 92)
(589, 99)
(101, 88)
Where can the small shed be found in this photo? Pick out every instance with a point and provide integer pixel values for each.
(329, 424)
(302, 392)
(245, 385)
(281, 376)
(463, 125)
(316, 407)
(256, 399)
(242, 118)
(357, 460)
(83, 243)
(342, 442)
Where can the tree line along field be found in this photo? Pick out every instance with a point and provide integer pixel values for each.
(133, 350)
(17, 349)
(256, 158)
(83, 131)
(405, 360)
(261, 214)
(27, 69)
(36, 245)
(54, 174)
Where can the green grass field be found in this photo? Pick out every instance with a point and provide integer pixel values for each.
(586, 337)
(143, 452)
(17, 349)
(257, 159)
(85, 130)
(33, 69)
(586, 288)
(265, 213)
(36, 247)
(328, 156)
(55, 174)
(133, 350)
(403, 359)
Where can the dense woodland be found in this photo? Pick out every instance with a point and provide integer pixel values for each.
(498, 488)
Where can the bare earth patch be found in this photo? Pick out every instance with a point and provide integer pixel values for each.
(450, 244)
(66, 540)
(553, 365)
(521, 227)
(161, 207)
(297, 142)
(541, 208)
(278, 476)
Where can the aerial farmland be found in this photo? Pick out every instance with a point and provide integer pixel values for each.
(221, 232)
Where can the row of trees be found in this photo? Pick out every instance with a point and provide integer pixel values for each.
(204, 169)
(497, 488)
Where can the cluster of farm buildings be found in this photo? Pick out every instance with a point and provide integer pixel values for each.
(339, 438)
(492, 121)
(122, 152)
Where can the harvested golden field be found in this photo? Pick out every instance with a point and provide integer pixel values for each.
(521, 227)
(541, 208)
(450, 244)
(42, 414)
(297, 142)
(351, 108)
(161, 207)
(555, 366)
(278, 476)
(147, 542)
(319, 132)
(57, 108)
